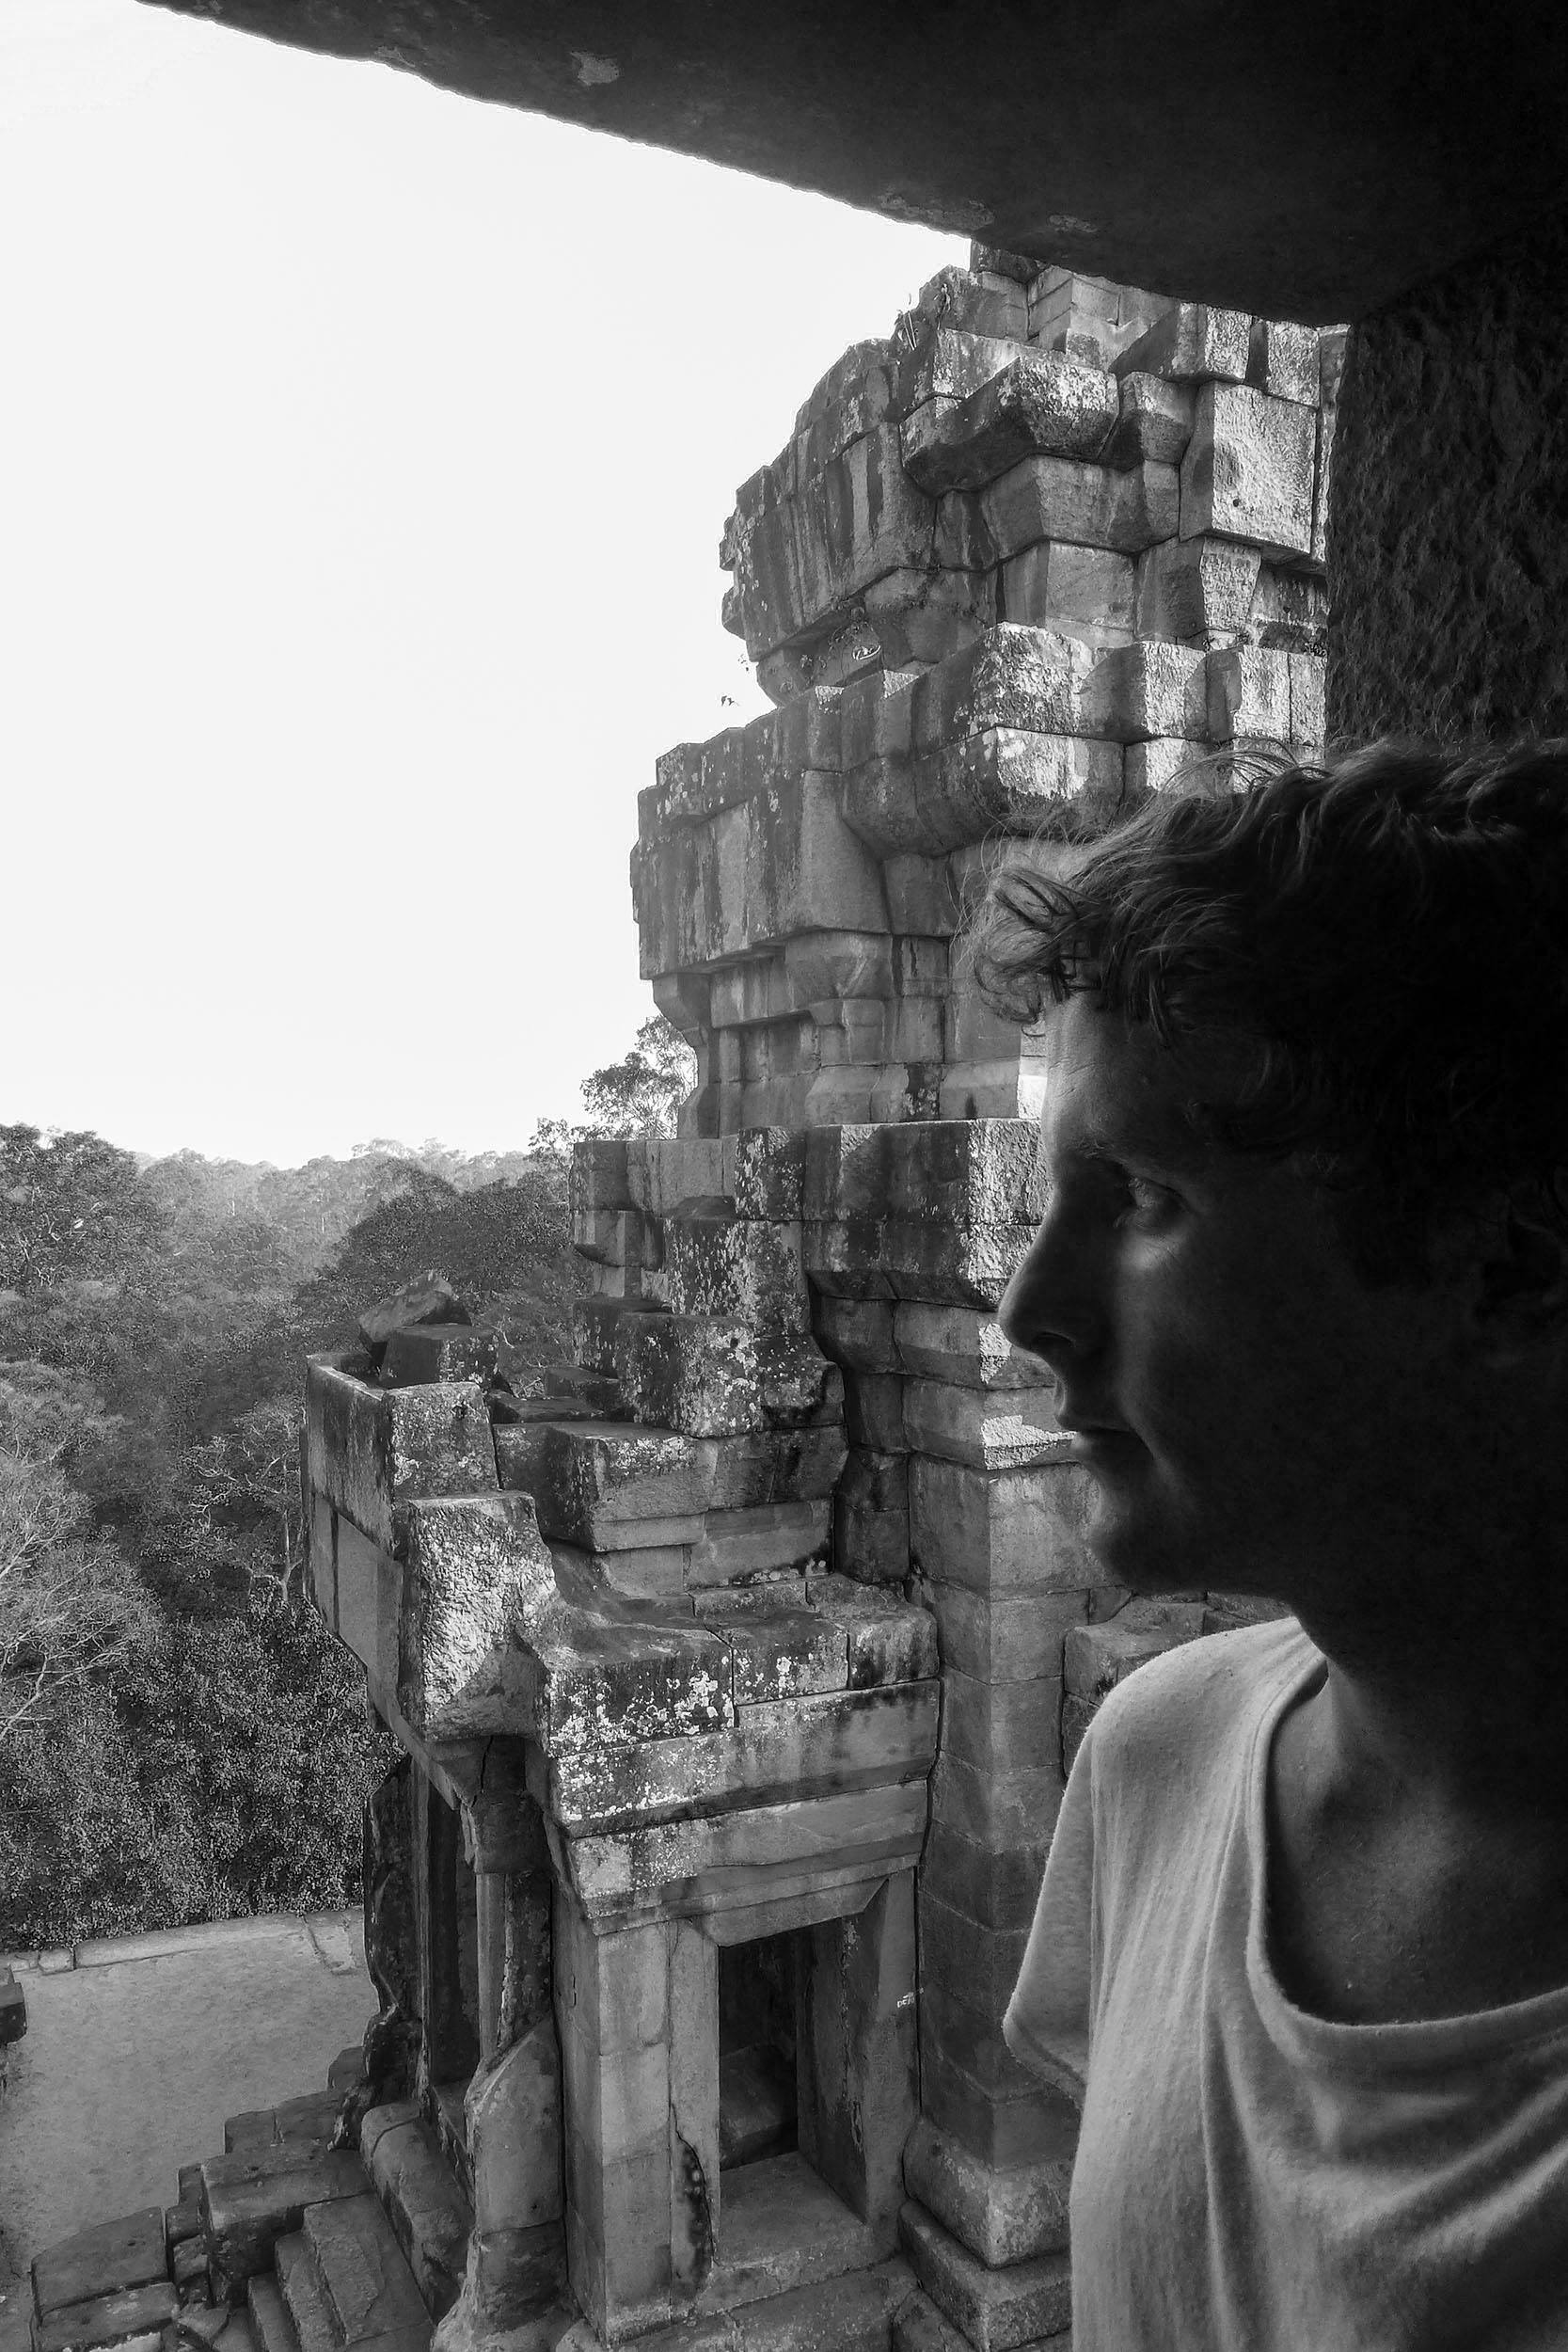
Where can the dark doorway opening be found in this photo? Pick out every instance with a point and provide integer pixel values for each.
(758, 1985)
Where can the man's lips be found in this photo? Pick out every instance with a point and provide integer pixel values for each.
(1091, 1438)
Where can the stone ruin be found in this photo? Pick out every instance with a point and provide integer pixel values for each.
(737, 1675)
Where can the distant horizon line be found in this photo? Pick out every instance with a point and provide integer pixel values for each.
(387, 1147)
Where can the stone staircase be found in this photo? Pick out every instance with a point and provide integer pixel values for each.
(281, 2243)
(284, 2244)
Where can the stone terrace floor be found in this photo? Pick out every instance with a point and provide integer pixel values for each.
(138, 2048)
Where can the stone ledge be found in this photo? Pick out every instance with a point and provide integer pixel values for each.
(204, 1934)
(999, 2311)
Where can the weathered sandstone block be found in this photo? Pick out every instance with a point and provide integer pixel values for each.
(1083, 592)
(1062, 499)
(1037, 403)
(1249, 470)
(1003, 780)
(1190, 343)
(959, 1344)
(793, 1749)
(371, 1450)
(737, 1265)
(952, 363)
(999, 1533)
(1154, 422)
(1196, 589)
(1249, 693)
(688, 1866)
(1140, 691)
(714, 1377)
(467, 1566)
(1283, 360)
(425, 1352)
(1019, 2305)
(989, 1431)
(107, 2259)
(761, 1540)
(1001, 2216)
(755, 874)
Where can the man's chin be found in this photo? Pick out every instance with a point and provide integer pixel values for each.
(1131, 1543)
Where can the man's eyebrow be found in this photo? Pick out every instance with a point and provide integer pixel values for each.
(1168, 1139)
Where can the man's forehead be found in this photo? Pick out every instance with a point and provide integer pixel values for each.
(1109, 1084)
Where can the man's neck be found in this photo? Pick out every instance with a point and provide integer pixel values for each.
(1459, 1713)
(1418, 1823)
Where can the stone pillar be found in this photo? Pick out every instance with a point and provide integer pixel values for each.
(391, 1950)
(638, 2011)
(1448, 536)
(1001, 1559)
(857, 2071)
(511, 2106)
(449, 1956)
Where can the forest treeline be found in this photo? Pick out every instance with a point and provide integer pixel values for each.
(180, 1738)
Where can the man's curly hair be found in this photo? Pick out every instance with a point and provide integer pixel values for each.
(1381, 948)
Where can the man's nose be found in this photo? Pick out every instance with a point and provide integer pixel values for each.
(1048, 1309)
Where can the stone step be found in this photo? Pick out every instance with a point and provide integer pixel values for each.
(270, 2322)
(345, 2284)
(122, 2318)
(188, 2262)
(557, 2327)
(304, 2297)
(251, 2198)
(855, 2313)
(200, 2326)
(1018, 2305)
(314, 2116)
(307, 2123)
(425, 2202)
(921, 2327)
(212, 2328)
(444, 2113)
(106, 2260)
(183, 2221)
(757, 2105)
(369, 2288)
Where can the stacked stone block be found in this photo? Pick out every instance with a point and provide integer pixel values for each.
(1048, 549)
(1021, 564)
(659, 1728)
(953, 1491)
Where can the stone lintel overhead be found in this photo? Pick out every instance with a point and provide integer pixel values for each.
(1306, 161)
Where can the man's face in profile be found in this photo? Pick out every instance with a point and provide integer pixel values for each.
(1250, 1411)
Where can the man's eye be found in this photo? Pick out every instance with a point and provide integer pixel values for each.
(1147, 1199)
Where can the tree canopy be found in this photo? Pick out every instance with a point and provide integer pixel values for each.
(180, 1737)
(638, 1095)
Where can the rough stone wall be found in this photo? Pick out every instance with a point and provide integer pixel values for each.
(1450, 543)
(1033, 557)
(1021, 564)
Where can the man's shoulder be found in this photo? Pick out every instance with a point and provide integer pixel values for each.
(1194, 1702)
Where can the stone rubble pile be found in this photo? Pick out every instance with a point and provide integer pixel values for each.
(285, 2243)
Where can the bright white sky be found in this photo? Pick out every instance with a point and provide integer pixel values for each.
(363, 458)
